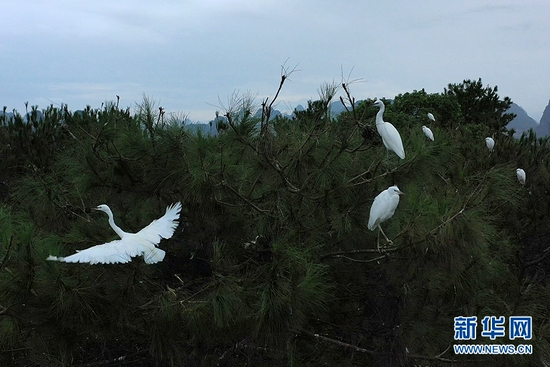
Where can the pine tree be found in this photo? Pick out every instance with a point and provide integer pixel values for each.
(273, 263)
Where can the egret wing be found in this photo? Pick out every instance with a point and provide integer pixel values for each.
(383, 207)
(490, 143)
(163, 227)
(378, 210)
(392, 140)
(521, 175)
(117, 251)
(428, 132)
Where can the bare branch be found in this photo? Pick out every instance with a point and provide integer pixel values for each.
(345, 86)
(266, 109)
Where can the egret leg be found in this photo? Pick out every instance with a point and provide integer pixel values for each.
(387, 161)
(386, 237)
(378, 241)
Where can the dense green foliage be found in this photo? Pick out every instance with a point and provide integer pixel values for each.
(272, 263)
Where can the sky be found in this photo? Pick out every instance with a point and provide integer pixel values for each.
(190, 57)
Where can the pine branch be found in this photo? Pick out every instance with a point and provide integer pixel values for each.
(461, 211)
(68, 114)
(384, 254)
(447, 360)
(358, 261)
(539, 259)
(277, 167)
(7, 254)
(254, 206)
(380, 175)
(266, 110)
(241, 139)
(363, 174)
(322, 166)
(272, 161)
(118, 360)
(334, 341)
(368, 351)
(351, 100)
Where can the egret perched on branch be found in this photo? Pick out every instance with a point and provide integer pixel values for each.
(383, 207)
(428, 133)
(142, 243)
(388, 132)
(521, 176)
(490, 143)
(431, 117)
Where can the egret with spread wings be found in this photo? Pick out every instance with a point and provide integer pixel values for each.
(143, 243)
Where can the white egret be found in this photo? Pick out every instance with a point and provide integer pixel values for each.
(490, 143)
(428, 133)
(521, 176)
(142, 243)
(388, 132)
(431, 117)
(383, 207)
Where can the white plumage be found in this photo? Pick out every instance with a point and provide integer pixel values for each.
(142, 243)
(521, 176)
(428, 133)
(384, 206)
(490, 143)
(390, 136)
(431, 117)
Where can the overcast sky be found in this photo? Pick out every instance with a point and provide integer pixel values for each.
(188, 55)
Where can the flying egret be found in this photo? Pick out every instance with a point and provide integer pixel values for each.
(521, 176)
(490, 143)
(431, 117)
(142, 243)
(383, 207)
(388, 132)
(428, 133)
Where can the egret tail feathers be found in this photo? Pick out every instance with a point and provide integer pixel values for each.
(55, 258)
(153, 256)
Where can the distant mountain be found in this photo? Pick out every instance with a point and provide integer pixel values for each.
(522, 122)
(274, 113)
(336, 108)
(9, 115)
(206, 129)
(544, 126)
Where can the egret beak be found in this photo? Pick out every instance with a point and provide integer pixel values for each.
(400, 193)
(96, 208)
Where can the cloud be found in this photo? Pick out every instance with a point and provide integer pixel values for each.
(187, 53)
